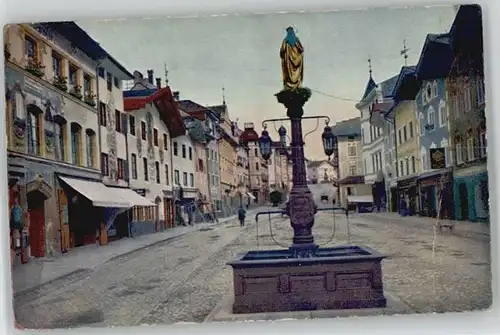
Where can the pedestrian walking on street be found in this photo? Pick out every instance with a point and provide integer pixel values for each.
(241, 216)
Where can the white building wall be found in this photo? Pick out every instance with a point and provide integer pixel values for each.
(139, 148)
(183, 162)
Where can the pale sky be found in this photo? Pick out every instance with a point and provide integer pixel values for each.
(241, 53)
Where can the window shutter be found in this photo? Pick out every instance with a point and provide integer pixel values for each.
(124, 123)
(126, 172)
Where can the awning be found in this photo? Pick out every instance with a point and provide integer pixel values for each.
(361, 198)
(133, 198)
(98, 193)
(250, 195)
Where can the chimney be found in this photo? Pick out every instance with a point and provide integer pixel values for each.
(150, 76)
(137, 77)
(158, 83)
(176, 95)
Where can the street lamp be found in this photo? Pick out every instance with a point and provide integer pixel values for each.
(265, 145)
(329, 141)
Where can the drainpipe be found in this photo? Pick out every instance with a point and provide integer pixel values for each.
(393, 122)
(98, 105)
(173, 209)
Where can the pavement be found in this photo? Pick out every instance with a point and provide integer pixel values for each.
(465, 229)
(79, 260)
(184, 279)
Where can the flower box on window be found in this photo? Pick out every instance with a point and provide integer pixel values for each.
(90, 99)
(35, 67)
(61, 83)
(77, 92)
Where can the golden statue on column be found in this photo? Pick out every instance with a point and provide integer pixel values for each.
(292, 61)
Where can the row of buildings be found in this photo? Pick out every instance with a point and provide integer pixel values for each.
(420, 145)
(91, 161)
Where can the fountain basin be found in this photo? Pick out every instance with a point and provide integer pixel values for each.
(343, 277)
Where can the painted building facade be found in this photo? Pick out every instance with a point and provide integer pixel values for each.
(466, 96)
(408, 159)
(323, 171)
(53, 139)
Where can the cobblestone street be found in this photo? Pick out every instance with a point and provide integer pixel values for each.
(183, 279)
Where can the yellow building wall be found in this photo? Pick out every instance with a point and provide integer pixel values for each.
(227, 163)
(405, 116)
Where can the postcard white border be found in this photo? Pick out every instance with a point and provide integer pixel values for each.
(463, 323)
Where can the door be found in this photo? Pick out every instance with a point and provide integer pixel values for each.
(37, 236)
(464, 201)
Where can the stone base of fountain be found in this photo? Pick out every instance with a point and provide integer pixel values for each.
(346, 277)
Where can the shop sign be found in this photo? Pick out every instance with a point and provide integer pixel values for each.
(438, 158)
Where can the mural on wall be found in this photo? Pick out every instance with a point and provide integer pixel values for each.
(151, 149)
(111, 137)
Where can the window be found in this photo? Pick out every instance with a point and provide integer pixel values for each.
(91, 146)
(410, 126)
(183, 151)
(166, 175)
(118, 121)
(121, 170)
(87, 86)
(109, 81)
(471, 155)
(31, 48)
(190, 153)
(143, 130)
(165, 142)
(116, 82)
(351, 150)
(34, 134)
(256, 152)
(443, 115)
(60, 135)
(407, 166)
(75, 143)
(191, 180)
(102, 114)
(73, 75)
(483, 144)
(104, 164)
(480, 91)
(133, 160)
(145, 168)
(256, 166)
(467, 99)
(101, 72)
(400, 137)
(176, 149)
(352, 170)
(413, 167)
(459, 153)
(401, 166)
(430, 120)
(155, 137)
(131, 120)
(176, 177)
(349, 191)
(185, 179)
(422, 124)
(405, 135)
(57, 64)
(371, 133)
(157, 170)
(200, 165)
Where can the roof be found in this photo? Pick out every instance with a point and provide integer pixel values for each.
(407, 86)
(318, 163)
(196, 109)
(351, 127)
(436, 57)
(80, 39)
(218, 110)
(370, 85)
(138, 93)
(167, 108)
(352, 180)
(467, 27)
(388, 85)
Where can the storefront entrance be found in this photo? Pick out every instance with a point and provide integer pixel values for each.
(36, 210)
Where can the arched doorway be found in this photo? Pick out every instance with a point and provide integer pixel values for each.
(157, 213)
(36, 210)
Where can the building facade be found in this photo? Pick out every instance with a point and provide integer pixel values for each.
(323, 171)
(408, 159)
(466, 96)
(53, 139)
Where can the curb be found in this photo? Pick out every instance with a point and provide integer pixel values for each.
(50, 281)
